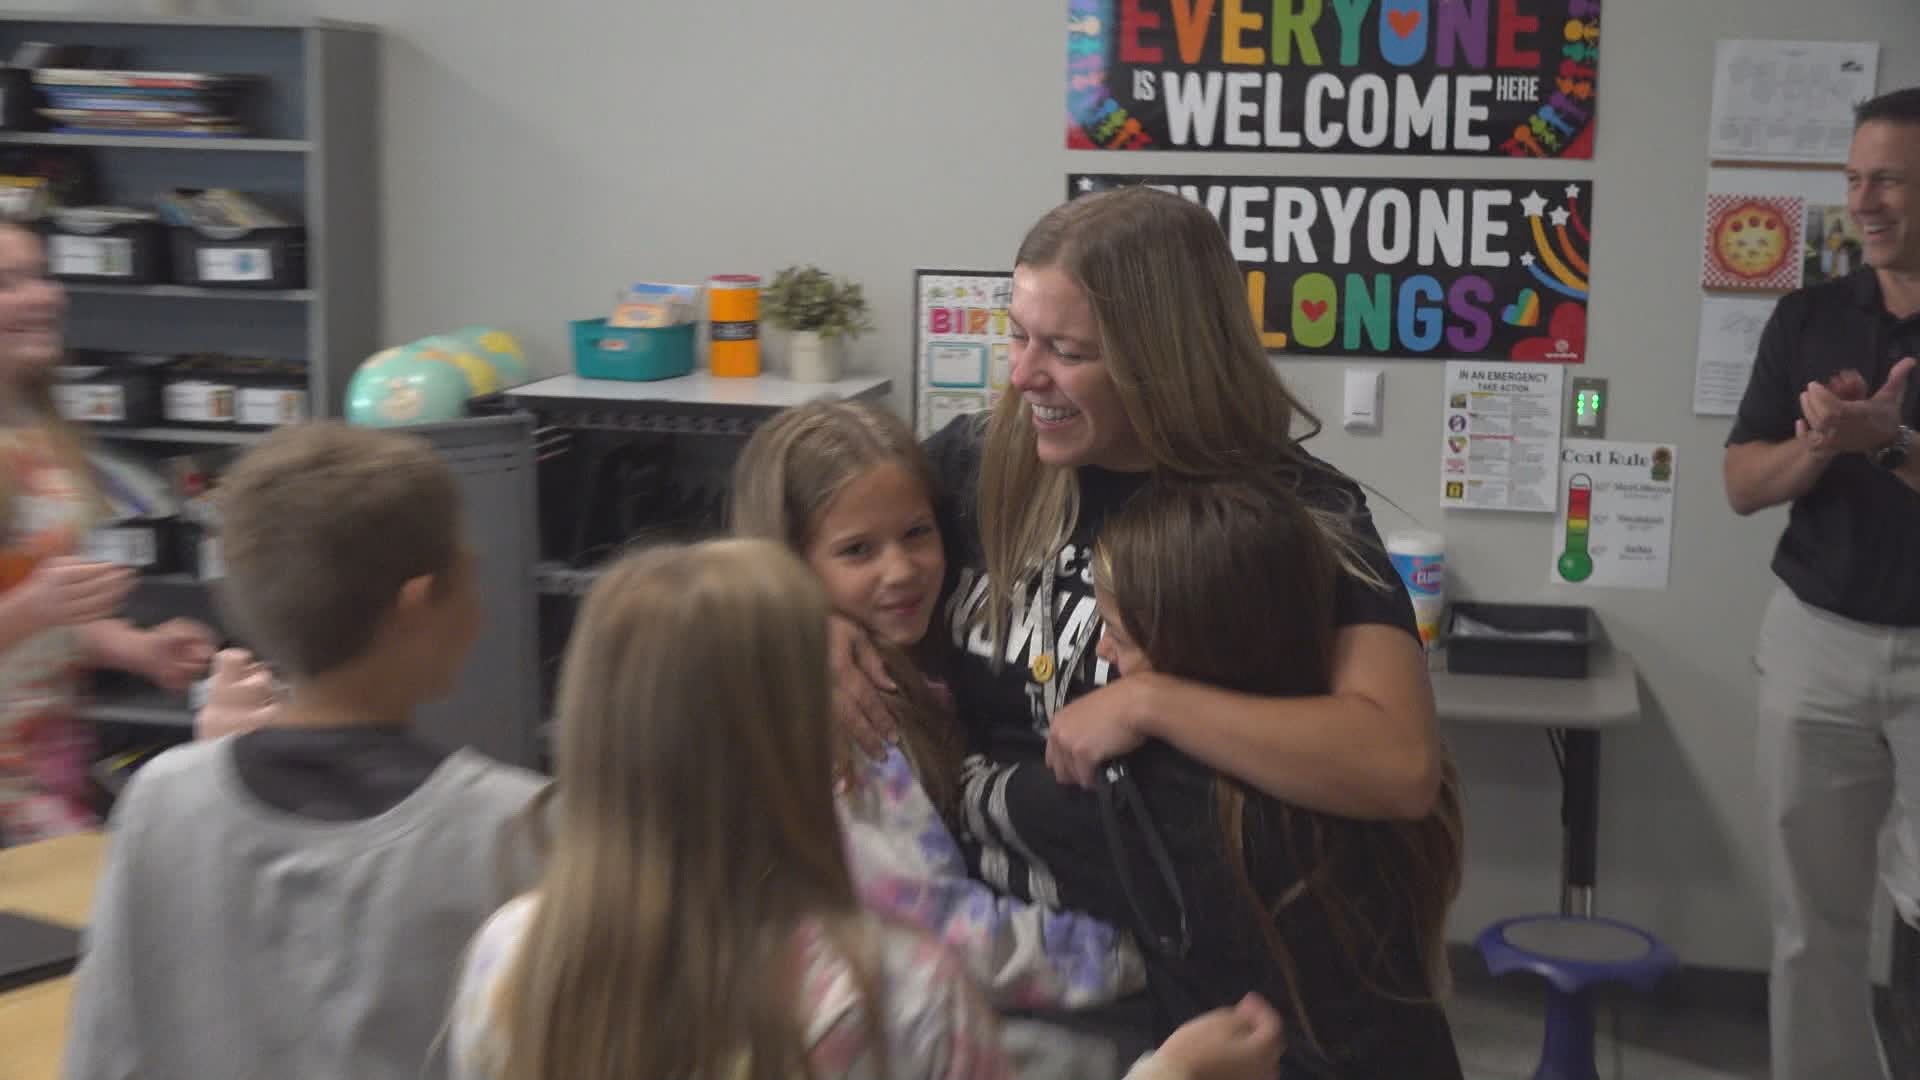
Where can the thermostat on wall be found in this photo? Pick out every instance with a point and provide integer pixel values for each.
(1361, 407)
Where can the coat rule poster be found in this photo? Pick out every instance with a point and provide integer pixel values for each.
(1404, 267)
(1500, 78)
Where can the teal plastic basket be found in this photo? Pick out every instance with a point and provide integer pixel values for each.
(634, 354)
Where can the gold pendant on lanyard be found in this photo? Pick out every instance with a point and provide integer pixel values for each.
(1041, 667)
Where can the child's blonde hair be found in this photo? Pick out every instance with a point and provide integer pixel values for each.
(798, 461)
(785, 479)
(695, 827)
(1235, 584)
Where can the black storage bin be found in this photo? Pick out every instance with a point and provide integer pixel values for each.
(108, 396)
(148, 545)
(1510, 639)
(119, 251)
(235, 392)
(269, 401)
(199, 397)
(19, 101)
(266, 258)
(197, 550)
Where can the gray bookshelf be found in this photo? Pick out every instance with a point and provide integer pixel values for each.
(314, 150)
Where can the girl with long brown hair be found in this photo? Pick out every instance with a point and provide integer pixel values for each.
(696, 918)
(845, 487)
(57, 611)
(1343, 921)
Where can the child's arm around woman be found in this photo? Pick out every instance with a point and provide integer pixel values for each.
(907, 865)
(696, 916)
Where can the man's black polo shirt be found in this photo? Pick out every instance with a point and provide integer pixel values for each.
(1852, 544)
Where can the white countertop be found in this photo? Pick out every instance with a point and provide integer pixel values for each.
(1608, 697)
(700, 388)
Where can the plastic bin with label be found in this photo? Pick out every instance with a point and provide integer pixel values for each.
(108, 245)
(100, 394)
(236, 391)
(218, 258)
(145, 545)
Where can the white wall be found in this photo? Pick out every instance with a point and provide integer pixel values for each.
(540, 154)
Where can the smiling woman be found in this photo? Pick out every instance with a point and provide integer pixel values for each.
(1135, 358)
(56, 612)
(1077, 414)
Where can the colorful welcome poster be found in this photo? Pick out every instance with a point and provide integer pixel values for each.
(1514, 78)
(1438, 269)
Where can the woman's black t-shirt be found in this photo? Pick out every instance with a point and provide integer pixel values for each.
(1035, 838)
(1003, 702)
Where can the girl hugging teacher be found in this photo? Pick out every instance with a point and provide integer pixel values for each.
(1294, 832)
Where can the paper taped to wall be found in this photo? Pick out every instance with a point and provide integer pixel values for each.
(1730, 329)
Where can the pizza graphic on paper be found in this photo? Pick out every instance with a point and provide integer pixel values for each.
(1752, 242)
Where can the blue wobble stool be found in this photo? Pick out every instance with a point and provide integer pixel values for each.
(1573, 953)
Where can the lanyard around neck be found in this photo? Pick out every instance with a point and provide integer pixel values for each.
(1054, 672)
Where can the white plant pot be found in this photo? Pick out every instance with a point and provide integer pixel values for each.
(812, 358)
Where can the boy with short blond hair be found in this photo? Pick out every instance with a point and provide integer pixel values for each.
(294, 900)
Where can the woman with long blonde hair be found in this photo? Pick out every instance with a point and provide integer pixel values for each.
(1135, 357)
(58, 611)
(696, 918)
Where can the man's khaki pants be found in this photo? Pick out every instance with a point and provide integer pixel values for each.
(1839, 755)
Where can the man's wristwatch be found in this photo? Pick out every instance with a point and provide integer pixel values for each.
(1895, 454)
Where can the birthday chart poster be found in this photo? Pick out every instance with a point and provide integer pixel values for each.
(1432, 269)
(1477, 78)
(962, 342)
(1615, 522)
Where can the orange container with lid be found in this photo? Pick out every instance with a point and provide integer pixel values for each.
(733, 314)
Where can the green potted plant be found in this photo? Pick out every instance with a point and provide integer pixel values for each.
(821, 312)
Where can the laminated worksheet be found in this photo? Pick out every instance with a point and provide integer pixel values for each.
(1730, 329)
(1788, 101)
(1500, 437)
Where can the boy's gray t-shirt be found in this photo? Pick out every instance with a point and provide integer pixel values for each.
(231, 938)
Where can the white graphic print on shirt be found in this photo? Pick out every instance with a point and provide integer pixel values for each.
(1076, 626)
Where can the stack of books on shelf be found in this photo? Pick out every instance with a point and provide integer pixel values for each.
(82, 101)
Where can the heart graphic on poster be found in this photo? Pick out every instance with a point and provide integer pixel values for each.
(1523, 312)
(1313, 309)
(1565, 341)
(1404, 23)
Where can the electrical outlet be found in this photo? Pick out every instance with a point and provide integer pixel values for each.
(1587, 409)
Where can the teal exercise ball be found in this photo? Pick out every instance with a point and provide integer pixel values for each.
(500, 351)
(408, 384)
